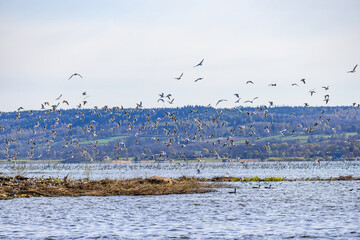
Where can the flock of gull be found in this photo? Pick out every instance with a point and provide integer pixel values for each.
(303, 81)
(179, 136)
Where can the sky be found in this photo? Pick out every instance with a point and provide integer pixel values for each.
(131, 51)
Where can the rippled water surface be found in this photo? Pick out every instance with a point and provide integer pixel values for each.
(322, 210)
(238, 169)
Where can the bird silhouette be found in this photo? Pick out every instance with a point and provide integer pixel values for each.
(178, 78)
(354, 69)
(312, 92)
(233, 191)
(199, 64)
(59, 97)
(221, 100)
(75, 74)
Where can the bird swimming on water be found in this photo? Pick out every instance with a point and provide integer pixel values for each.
(233, 191)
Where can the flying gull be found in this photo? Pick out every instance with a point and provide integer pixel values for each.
(75, 74)
(178, 78)
(199, 64)
(354, 69)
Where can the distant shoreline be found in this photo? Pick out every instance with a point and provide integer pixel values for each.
(208, 160)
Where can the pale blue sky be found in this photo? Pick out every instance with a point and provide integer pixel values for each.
(130, 51)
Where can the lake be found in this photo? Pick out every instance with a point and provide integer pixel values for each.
(276, 210)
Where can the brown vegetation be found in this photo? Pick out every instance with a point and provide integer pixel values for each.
(14, 187)
(19, 186)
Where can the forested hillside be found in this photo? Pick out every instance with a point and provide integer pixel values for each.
(191, 132)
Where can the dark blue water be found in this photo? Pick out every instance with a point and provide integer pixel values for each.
(295, 210)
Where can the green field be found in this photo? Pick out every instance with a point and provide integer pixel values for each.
(21, 161)
(301, 138)
(105, 140)
(276, 159)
